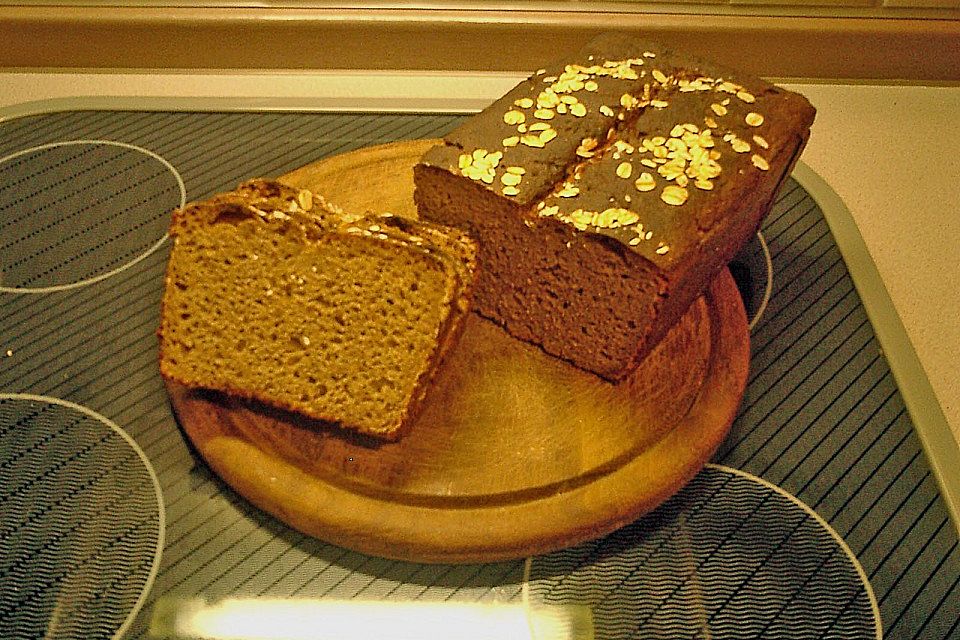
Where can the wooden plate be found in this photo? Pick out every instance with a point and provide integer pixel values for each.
(515, 453)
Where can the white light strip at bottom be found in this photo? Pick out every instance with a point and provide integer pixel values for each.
(315, 619)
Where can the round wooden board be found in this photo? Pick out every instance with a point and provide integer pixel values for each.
(515, 453)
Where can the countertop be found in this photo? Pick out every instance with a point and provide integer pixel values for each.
(888, 151)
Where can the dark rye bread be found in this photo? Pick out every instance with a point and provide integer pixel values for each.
(273, 295)
(607, 190)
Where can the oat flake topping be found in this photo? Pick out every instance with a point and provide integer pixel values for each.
(670, 164)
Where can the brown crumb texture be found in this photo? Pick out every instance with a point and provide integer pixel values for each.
(608, 189)
(339, 318)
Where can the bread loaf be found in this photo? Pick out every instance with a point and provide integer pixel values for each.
(607, 190)
(275, 296)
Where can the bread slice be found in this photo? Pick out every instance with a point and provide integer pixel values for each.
(273, 295)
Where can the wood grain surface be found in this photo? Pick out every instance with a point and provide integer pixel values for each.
(515, 452)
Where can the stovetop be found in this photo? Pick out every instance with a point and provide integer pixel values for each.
(819, 516)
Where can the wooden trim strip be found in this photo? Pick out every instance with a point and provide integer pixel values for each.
(463, 40)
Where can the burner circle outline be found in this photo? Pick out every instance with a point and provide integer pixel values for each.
(768, 286)
(155, 481)
(525, 589)
(102, 276)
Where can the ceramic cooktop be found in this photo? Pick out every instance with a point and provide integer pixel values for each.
(819, 516)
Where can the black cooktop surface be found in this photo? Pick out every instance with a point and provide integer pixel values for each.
(818, 518)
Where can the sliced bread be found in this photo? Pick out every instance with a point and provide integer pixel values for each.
(273, 295)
